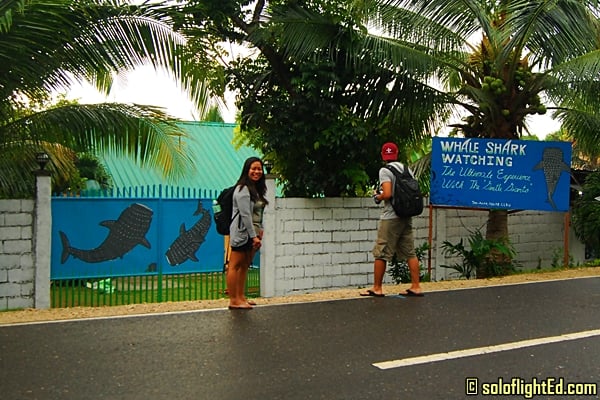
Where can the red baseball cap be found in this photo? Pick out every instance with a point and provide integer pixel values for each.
(389, 152)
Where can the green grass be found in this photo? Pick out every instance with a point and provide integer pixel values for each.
(146, 289)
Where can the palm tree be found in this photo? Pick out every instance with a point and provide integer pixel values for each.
(496, 61)
(45, 46)
(582, 158)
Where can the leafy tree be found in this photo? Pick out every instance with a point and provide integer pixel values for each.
(87, 168)
(319, 119)
(586, 214)
(497, 61)
(213, 115)
(582, 157)
(45, 45)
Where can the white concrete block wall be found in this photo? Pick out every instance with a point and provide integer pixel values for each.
(451, 225)
(536, 236)
(322, 243)
(539, 239)
(326, 243)
(310, 245)
(16, 254)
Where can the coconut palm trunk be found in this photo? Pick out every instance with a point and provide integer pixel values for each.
(496, 229)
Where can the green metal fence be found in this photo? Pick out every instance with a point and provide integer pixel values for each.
(115, 291)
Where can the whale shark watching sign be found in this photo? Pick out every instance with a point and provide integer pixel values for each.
(500, 174)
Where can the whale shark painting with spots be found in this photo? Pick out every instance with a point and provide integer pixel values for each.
(128, 231)
(188, 242)
(553, 166)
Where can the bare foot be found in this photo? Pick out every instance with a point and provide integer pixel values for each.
(243, 306)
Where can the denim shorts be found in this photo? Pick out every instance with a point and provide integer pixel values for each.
(245, 247)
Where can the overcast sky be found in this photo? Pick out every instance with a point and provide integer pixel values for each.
(146, 86)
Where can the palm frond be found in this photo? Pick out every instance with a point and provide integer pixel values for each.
(442, 25)
(18, 165)
(422, 171)
(46, 45)
(142, 132)
(583, 124)
(554, 32)
(8, 8)
(58, 40)
(572, 77)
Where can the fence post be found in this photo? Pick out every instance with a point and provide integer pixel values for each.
(267, 251)
(42, 233)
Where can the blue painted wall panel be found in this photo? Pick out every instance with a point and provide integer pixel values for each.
(97, 237)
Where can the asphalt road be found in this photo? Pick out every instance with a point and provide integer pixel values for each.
(326, 350)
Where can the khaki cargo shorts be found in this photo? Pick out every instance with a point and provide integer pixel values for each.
(394, 236)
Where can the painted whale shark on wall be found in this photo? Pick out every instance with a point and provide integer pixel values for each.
(188, 242)
(553, 166)
(125, 233)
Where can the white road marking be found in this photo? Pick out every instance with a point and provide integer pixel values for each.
(484, 350)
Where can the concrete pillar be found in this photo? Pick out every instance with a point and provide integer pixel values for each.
(42, 230)
(267, 251)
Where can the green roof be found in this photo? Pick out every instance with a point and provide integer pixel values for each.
(217, 162)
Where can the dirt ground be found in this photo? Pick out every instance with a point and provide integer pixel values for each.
(33, 315)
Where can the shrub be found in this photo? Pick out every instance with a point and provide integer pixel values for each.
(484, 258)
(586, 215)
(399, 270)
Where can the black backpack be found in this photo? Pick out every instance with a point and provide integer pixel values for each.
(222, 210)
(407, 199)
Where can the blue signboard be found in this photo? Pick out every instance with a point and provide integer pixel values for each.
(500, 174)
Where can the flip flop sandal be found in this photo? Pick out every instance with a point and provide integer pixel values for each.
(372, 294)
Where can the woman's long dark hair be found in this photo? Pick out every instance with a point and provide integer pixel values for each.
(258, 190)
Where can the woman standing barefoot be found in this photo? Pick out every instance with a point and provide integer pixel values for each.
(246, 229)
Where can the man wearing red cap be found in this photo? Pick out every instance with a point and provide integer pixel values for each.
(394, 235)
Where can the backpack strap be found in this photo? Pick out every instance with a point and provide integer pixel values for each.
(396, 172)
(404, 172)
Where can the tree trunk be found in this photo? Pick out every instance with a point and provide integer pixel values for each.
(497, 225)
(496, 229)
